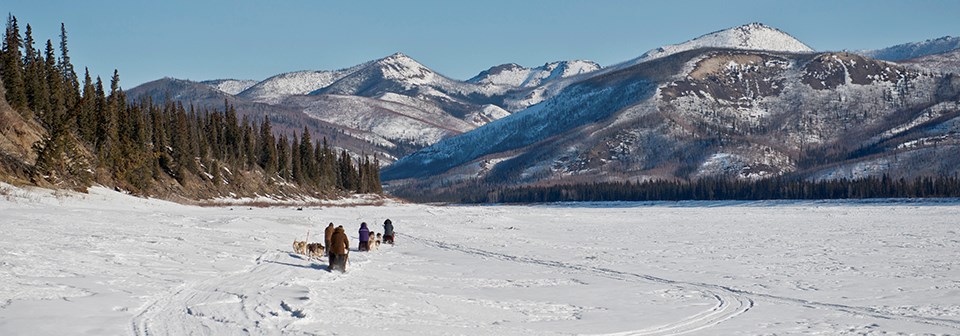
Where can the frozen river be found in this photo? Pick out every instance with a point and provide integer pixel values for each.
(110, 264)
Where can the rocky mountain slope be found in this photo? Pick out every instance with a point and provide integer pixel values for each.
(230, 86)
(727, 110)
(284, 119)
(515, 76)
(388, 107)
(17, 136)
(746, 102)
(912, 50)
(754, 36)
(944, 62)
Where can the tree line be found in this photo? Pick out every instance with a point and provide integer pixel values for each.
(95, 135)
(710, 189)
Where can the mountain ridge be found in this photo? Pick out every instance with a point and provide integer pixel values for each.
(500, 125)
(911, 50)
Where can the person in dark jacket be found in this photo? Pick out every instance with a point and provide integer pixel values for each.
(388, 232)
(327, 234)
(339, 245)
(364, 238)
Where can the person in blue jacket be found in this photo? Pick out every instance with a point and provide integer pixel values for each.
(364, 238)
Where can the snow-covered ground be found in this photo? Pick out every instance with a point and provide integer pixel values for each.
(110, 264)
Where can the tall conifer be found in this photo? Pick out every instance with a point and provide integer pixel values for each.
(296, 167)
(55, 114)
(12, 69)
(307, 164)
(71, 92)
(268, 148)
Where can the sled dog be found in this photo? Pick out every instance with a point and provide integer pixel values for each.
(315, 250)
(299, 247)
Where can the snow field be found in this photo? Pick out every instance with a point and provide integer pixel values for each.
(107, 263)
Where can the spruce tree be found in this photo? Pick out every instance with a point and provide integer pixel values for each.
(378, 185)
(71, 89)
(361, 174)
(323, 175)
(106, 125)
(249, 144)
(329, 165)
(348, 175)
(33, 74)
(307, 164)
(296, 167)
(214, 135)
(283, 158)
(54, 116)
(267, 159)
(202, 139)
(180, 143)
(11, 66)
(232, 136)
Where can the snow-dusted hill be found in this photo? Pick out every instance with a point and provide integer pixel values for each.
(397, 73)
(943, 62)
(516, 76)
(275, 88)
(748, 101)
(907, 51)
(387, 107)
(201, 94)
(381, 122)
(704, 112)
(230, 86)
(753, 36)
(106, 263)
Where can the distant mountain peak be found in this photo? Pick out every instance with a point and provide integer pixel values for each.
(751, 36)
(230, 86)
(912, 50)
(754, 25)
(399, 66)
(512, 74)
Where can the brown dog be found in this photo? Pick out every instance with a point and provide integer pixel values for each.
(299, 247)
(314, 250)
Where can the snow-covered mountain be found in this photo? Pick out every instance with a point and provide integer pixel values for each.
(907, 51)
(201, 93)
(709, 112)
(230, 86)
(748, 101)
(397, 72)
(753, 36)
(516, 76)
(388, 107)
(944, 62)
(275, 88)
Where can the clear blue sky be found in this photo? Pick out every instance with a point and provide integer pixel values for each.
(202, 39)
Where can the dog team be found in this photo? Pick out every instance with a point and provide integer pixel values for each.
(338, 244)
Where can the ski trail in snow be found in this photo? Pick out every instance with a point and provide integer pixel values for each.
(231, 304)
(731, 302)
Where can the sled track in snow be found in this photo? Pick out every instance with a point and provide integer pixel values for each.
(183, 309)
(731, 302)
